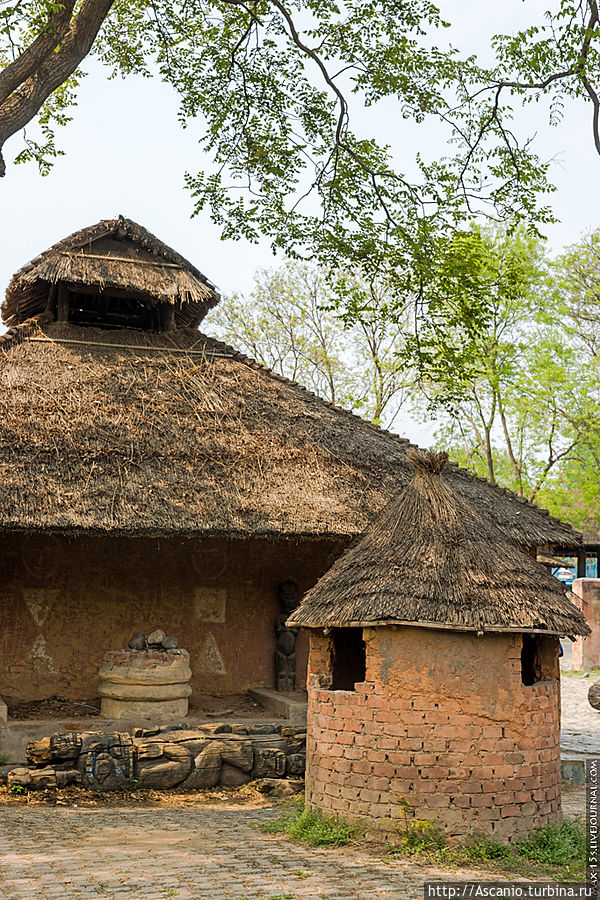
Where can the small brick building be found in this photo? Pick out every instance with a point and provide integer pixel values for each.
(433, 671)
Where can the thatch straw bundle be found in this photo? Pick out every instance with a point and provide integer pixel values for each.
(117, 254)
(431, 559)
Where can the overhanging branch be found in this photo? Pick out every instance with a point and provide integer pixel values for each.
(46, 64)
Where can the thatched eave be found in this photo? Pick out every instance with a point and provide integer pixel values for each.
(434, 626)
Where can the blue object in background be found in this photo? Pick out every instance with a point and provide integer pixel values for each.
(566, 574)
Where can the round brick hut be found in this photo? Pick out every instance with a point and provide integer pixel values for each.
(433, 671)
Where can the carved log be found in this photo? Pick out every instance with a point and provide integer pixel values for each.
(38, 753)
(162, 765)
(48, 777)
(106, 761)
(207, 768)
(164, 757)
(268, 762)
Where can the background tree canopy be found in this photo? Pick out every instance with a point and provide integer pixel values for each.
(502, 341)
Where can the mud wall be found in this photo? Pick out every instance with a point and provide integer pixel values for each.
(443, 721)
(64, 601)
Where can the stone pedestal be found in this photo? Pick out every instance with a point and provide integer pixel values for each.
(153, 684)
(586, 596)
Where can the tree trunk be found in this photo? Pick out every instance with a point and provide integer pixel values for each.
(41, 68)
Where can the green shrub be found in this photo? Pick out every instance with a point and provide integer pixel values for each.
(420, 834)
(310, 827)
(555, 845)
(487, 849)
(556, 851)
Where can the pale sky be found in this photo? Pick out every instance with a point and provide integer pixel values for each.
(126, 153)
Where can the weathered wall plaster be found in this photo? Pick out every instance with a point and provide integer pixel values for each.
(218, 597)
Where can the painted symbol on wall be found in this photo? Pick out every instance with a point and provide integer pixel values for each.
(209, 604)
(209, 658)
(39, 601)
(40, 560)
(41, 659)
(210, 561)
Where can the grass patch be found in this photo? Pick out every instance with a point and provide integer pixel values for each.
(310, 827)
(556, 851)
(579, 673)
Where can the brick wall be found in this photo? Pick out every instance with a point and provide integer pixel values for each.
(442, 719)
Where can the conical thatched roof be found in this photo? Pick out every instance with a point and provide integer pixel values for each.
(431, 559)
(113, 254)
(138, 433)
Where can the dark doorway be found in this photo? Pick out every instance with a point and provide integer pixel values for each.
(349, 658)
(539, 658)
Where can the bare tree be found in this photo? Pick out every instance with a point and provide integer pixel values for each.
(288, 325)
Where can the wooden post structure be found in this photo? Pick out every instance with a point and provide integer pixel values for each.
(581, 556)
(62, 303)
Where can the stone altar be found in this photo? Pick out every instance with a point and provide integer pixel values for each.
(152, 682)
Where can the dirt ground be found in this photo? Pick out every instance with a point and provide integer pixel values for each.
(247, 796)
(51, 708)
(56, 707)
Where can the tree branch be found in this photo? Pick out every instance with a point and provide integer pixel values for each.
(56, 65)
(25, 65)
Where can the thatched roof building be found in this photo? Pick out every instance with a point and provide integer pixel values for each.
(433, 670)
(145, 426)
(432, 559)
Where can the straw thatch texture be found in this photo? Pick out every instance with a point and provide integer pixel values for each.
(431, 559)
(118, 254)
(98, 433)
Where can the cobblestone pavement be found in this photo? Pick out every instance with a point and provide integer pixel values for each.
(580, 731)
(207, 853)
(199, 853)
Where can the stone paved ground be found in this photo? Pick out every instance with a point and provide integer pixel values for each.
(580, 732)
(208, 853)
(199, 853)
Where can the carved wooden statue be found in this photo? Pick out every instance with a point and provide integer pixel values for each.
(164, 757)
(285, 655)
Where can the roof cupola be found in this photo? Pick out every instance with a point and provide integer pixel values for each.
(111, 275)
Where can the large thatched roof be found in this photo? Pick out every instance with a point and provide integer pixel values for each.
(432, 559)
(134, 432)
(113, 254)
